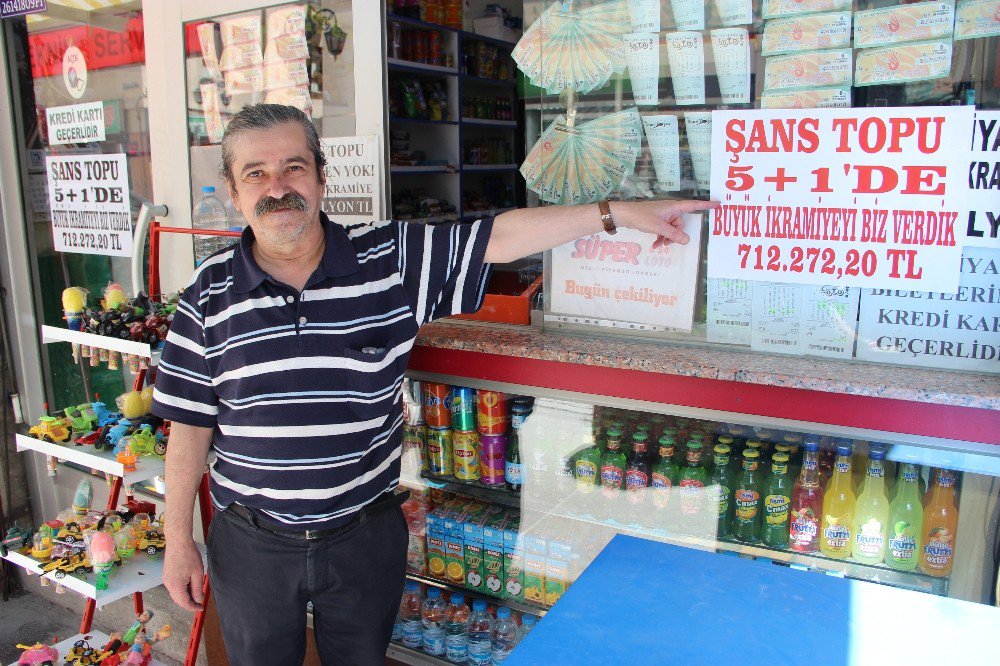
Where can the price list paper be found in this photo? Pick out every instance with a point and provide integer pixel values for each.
(855, 197)
(89, 203)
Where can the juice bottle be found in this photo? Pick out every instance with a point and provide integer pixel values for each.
(637, 477)
(859, 464)
(940, 526)
(746, 522)
(662, 481)
(587, 471)
(721, 482)
(906, 519)
(807, 502)
(838, 508)
(613, 465)
(777, 500)
(871, 512)
(692, 482)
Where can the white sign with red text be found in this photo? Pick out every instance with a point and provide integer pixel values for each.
(620, 278)
(856, 197)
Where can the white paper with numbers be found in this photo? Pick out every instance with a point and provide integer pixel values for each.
(89, 204)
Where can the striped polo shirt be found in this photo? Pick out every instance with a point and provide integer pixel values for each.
(304, 391)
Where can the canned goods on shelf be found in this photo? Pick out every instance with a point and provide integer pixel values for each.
(466, 447)
(440, 454)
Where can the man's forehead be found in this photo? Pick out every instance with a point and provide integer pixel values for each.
(281, 143)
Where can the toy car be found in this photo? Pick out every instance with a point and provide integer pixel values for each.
(81, 418)
(133, 507)
(88, 439)
(69, 533)
(111, 435)
(50, 429)
(152, 542)
(16, 539)
(145, 443)
(38, 654)
(75, 564)
(104, 417)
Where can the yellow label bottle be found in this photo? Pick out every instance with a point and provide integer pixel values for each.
(836, 530)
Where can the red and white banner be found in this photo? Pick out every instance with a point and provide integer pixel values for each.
(855, 197)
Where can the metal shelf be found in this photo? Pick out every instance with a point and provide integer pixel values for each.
(499, 83)
(474, 489)
(519, 606)
(484, 168)
(96, 639)
(487, 122)
(146, 467)
(396, 64)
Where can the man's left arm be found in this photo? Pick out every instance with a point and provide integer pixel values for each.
(522, 232)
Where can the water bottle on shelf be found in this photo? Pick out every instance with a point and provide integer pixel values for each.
(456, 627)
(411, 626)
(504, 636)
(433, 617)
(528, 622)
(480, 634)
(209, 214)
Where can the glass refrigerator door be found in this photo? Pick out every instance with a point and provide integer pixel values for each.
(514, 494)
(322, 56)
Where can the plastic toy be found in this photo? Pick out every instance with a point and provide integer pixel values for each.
(75, 564)
(147, 398)
(127, 459)
(83, 498)
(50, 429)
(133, 508)
(89, 439)
(38, 654)
(41, 543)
(144, 443)
(104, 417)
(131, 405)
(114, 296)
(152, 542)
(70, 532)
(74, 301)
(81, 418)
(102, 554)
(18, 538)
(113, 434)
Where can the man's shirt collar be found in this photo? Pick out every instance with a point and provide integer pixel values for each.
(339, 258)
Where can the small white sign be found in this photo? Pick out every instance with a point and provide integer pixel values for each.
(89, 201)
(983, 225)
(77, 123)
(621, 278)
(954, 331)
(75, 72)
(353, 171)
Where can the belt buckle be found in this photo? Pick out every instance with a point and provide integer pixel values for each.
(311, 535)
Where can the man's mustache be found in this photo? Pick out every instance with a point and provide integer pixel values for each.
(289, 201)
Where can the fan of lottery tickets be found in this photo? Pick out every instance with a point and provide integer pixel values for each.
(585, 163)
(580, 50)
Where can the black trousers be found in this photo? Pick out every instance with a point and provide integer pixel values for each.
(262, 581)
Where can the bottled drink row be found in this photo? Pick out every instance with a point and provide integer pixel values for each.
(487, 108)
(487, 151)
(440, 623)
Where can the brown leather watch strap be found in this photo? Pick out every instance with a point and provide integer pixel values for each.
(606, 217)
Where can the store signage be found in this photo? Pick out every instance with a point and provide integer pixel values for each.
(89, 202)
(101, 48)
(884, 206)
(620, 278)
(954, 331)
(78, 123)
(9, 8)
(983, 227)
(353, 172)
(75, 72)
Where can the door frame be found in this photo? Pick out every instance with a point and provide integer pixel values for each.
(164, 38)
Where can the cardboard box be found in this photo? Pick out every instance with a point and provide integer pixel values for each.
(534, 567)
(493, 26)
(513, 566)
(556, 579)
(475, 569)
(493, 559)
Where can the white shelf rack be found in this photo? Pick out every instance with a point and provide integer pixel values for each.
(146, 467)
(96, 639)
(55, 334)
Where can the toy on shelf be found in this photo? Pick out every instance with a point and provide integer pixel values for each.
(83, 498)
(127, 459)
(102, 552)
(81, 418)
(74, 302)
(77, 564)
(51, 429)
(41, 543)
(152, 541)
(38, 654)
(18, 538)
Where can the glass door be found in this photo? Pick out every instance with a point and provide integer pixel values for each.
(213, 59)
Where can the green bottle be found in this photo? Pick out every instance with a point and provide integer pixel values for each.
(587, 469)
(664, 476)
(693, 478)
(777, 503)
(721, 483)
(906, 521)
(746, 522)
(613, 465)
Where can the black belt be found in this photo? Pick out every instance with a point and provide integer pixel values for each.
(386, 501)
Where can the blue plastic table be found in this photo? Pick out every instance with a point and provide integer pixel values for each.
(645, 602)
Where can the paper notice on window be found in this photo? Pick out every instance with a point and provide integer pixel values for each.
(776, 322)
(643, 53)
(644, 15)
(297, 97)
(214, 126)
(89, 204)
(240, 56)
(286, 47)
(820, 98)
(698, 126)
(286, 20)
(206, 39)
(903, 63)
(686, 54)
(775, 8)
(294, 73)
(663, 139)
(76, 123)
(807, 33)
(903, 23)
(829, 320)
(735, 12)
(688, 14)
(730, 311)
(977, 18)
(957, 331)
(809, 70)
(621, 278)
(240, 30)
(244, 81)
(731, 49)
(983, 225)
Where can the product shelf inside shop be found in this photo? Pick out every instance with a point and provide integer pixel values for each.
(410, 656)
(436, 168)
(503, 83)
(474, 489)
(489, 123)
(96, 639)
(519, 606)
(489, 167)
(421, 121)
(409, 66)
(56, 334)
(146, 467)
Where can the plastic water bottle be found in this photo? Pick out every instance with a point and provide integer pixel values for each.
(480, 634)
(504, 636)
(527, 624)
(456, 627)
(433, 616)
(411, 627)
(209, 214)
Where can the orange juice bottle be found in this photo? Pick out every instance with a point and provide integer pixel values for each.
(940, 526)
(837, 528)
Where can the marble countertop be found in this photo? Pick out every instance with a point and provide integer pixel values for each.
(713, 362)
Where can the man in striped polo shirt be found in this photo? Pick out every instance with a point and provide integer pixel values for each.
(286, 358)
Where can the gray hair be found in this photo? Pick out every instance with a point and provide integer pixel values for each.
(266, 116)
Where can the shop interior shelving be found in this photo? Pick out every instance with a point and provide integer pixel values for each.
(96, 639)
(55, 334)
(146, 467)
(443, 140)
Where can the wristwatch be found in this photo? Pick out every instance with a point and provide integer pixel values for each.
(606, 217)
